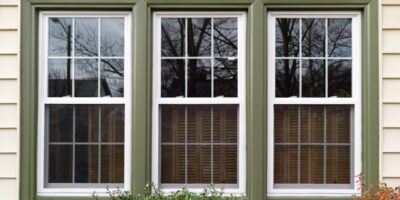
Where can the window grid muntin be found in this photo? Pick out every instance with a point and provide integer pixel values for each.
(304, 189)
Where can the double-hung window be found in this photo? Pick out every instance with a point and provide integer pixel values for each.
(314, 105)
(198, 100)
(84, 102)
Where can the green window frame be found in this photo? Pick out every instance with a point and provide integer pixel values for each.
(256, 81)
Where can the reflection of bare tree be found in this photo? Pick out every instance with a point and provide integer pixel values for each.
(287, 77)
(199, 32)
(339, 37)
(86, 45)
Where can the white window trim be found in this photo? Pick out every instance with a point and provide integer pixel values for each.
(44, 100)
(240, 100)
(355, 100)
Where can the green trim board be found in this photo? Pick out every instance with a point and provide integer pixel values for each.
(256, 86)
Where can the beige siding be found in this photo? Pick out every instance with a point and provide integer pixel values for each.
(9, 99)
(390, 92)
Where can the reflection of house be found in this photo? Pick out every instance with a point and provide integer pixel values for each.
(83, 88)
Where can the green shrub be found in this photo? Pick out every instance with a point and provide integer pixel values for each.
(152, 193)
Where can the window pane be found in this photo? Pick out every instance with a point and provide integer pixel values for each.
(312, 124)
(59, 77)
(112, 123)
(339, 78)
(199, 164)
(60, 164)
(173, 123)
(112, 37)
(313, 37)
(338, 165)
(60, 36)
(173, 164)
(112, 164)
(199, 124)
(225, 164)
(173, 78)
(287, 78)
(340, 37)
(112, 77)
(225, 123)
(87, 123)
(86, 78)
(199, 80)
(225, 77)
(286, 123)
(60, 126)
(225, 37)
(286, 164)
(338, 124)
(86, 37)
(312, 164)
(86, 163)
(313, 78)
(287, 37)
(199, 36)
(173, 37)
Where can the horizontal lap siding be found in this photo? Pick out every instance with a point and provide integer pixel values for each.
(9, 99)
(390, 91)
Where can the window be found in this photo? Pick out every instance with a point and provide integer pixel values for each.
(314, 90)
(84, 103)
(198, 101)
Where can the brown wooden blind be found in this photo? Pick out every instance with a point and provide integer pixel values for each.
(312, 144)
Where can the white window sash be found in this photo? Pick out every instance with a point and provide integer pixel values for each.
(355, 100)
(235, 189)
(86, 189)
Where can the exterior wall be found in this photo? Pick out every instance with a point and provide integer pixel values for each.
(9, 99)
(390, 92)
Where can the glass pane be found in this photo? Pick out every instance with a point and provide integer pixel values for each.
(86, 78)
(313, 78)
(339, 33)
(172, 164)
(59, 77)
(225, 37)
(285, 164)
(339, 123)
(286, 123)
(87, 123)
(312, 164)
(199, 78)
(60, 164)
(112, 37)
(287, 37)
(86, 163)
(225, 77)
(173, 37)
(287, 78)
(173, 78)
(225, 164)
(173, 123)
(339, 78)
(112, 123)
(312, 124)
(199, 37)
(60, 123)
(199, 124)
(338, 165)
(112, 77)
(313, 37)
(112, 164)
(199, 164)
(225, 123)
(60, 36)
(86, 37)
